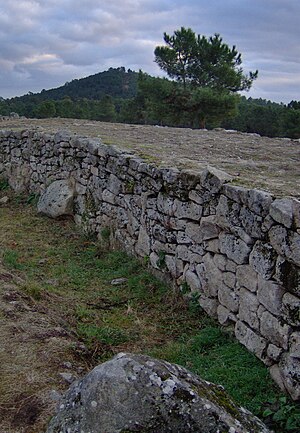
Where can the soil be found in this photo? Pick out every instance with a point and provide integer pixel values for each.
(36, 345)
(271, 164)
(34, 348)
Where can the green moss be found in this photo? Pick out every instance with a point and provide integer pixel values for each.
(129, 186)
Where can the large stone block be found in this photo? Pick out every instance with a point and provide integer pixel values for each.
(290, 373)
(254, 342)
(229, 298)
(210, 276)
(291, 309)
(270, 295)
(166, 204)
(281, 210)
(228, 213)
(114, 184)
(209, 305)
(258, 201)
(192, 280)
(142, 247)
(225, 316)
(229, 279)
(288, 275)
(57, 199)
(286, 243)
(193, 232)
(246, 277)
(248, 308)
(208, 228)
(252, 223)
(234, 248)
(212, 179)
(274, 330)
(188, 210)
(263, 259)
(295, 345)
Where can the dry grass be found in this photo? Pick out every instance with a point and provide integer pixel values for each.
(257, 162)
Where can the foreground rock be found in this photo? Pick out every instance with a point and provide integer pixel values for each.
(57, 199)
(136, 393)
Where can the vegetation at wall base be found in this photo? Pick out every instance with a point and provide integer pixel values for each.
(75, 277)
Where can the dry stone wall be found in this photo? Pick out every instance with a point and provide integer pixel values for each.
(237, 250)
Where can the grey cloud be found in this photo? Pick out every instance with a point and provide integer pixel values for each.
(44, 43)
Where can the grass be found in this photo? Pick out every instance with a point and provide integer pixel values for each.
(73, 276)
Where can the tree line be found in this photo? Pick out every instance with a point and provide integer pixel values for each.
(205, 76)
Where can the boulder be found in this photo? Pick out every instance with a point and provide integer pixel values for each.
(57, 199)
(136, 393)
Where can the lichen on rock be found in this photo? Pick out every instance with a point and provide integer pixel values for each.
(136, 393)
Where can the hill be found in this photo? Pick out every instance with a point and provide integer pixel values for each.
(115, 82)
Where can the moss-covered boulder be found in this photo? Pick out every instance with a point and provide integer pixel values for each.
(136, 393)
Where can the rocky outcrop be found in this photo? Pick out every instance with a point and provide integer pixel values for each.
(136, 393)
(237, 249)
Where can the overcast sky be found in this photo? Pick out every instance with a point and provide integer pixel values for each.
(44, 43)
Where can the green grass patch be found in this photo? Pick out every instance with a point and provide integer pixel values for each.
(12, 259)
(217, 357)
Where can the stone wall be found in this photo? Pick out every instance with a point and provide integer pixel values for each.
(237, 250)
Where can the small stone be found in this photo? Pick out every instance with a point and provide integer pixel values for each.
(118, 281)
(55, 395)
(67, 377)
(4, 200)
(67, 364)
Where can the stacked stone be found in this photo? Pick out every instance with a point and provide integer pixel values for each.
(236, 249)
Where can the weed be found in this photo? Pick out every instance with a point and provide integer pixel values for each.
(161, 261)
(185, 288)
(32, 199)
(194, 305)
(4, 185)
(105, 335)
(11, 259)
(105, 233)
(282, 413)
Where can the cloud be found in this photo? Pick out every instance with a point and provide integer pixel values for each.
(45, 43)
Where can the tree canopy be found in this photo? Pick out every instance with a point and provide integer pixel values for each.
(204, 62)
(209, 71)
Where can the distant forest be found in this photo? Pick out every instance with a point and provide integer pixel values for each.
(118, 95)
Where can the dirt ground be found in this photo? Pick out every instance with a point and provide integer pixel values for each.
(270, 164)
(36, 343)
